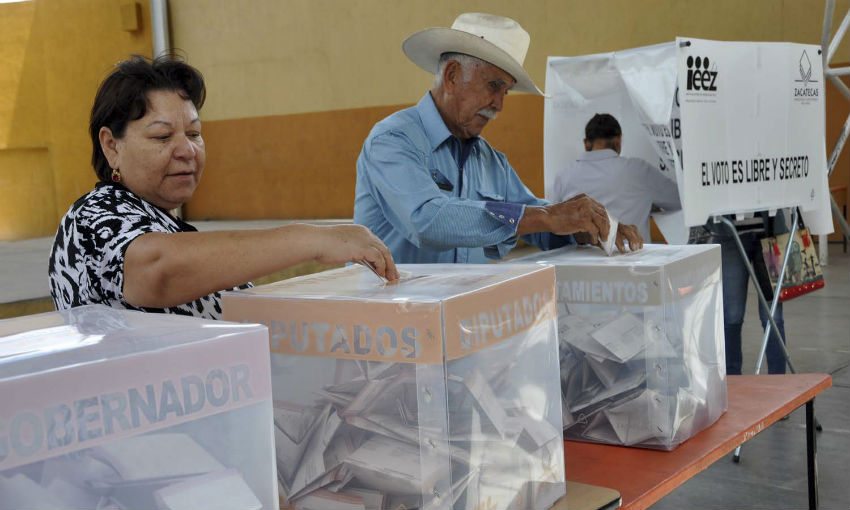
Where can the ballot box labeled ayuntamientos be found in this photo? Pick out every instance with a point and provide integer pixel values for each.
(439, 391)
(114, 409)
(641, 342)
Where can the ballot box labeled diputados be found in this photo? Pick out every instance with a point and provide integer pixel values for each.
(115, 409)
(641, 342)
(440, 391)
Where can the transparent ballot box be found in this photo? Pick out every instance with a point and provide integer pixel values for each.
(641, 342)
(105, 409)
(439, 391)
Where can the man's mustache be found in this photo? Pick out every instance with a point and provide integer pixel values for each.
(488, 113)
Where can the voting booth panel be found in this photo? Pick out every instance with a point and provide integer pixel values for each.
(641, 343)
(440, 391)
(738, 125)
(754, 129)
(636, 86)
(103, 408)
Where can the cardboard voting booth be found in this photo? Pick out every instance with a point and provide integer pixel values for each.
(440, 391)
(641, 337)
(738, 125)
(114, 409)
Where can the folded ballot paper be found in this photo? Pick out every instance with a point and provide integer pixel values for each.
(439, 391)
(641, 343)
(104, 409)
(610, 242)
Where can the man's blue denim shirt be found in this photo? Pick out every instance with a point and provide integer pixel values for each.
(435, 199)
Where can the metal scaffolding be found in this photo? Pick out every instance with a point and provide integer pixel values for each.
(834, 75)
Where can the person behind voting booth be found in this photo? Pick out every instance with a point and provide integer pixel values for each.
(630, 188)
(436, 192)
(735, 280)
(119, 245)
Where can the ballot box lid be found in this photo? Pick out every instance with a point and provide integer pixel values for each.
(419, 283)
(651, 256)
(95, 333)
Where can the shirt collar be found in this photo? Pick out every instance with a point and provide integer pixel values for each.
(435, 128)
(597, 155)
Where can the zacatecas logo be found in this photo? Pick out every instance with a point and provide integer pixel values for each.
(702, 75)
(803, 92)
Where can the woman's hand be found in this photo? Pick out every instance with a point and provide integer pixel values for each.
(353, 243)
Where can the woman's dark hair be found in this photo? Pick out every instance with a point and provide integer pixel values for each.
(602, 126)
(123, 97)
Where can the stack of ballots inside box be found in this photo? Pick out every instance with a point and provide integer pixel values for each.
(641, 338)
(439, 391)
(104, 409)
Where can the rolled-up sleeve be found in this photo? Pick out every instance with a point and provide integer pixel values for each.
(518, 193)
(413, 204)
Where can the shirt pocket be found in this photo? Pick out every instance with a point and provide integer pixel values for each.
(441, 181)
(490, 195)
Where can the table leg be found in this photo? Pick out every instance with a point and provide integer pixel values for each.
(811, 454)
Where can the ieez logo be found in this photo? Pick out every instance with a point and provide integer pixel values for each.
(701, 77)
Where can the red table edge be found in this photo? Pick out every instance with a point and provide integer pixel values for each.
(817, 383)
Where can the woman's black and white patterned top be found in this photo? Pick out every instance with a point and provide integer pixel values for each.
(87, 261)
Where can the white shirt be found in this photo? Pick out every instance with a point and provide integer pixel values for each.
(627, 187)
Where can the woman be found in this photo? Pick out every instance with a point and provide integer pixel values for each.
(118, 245)
(735, 278)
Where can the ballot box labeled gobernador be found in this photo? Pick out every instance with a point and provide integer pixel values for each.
(439, 391)
(641, 342)
(114, 409)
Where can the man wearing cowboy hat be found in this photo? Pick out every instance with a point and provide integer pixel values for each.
(434, 191)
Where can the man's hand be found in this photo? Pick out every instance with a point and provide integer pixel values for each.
(624, 233)
(628, 233)
(578, 214)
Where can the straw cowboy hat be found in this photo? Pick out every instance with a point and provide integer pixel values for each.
(494, 39)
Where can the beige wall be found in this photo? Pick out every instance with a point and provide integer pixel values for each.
(27, 206)
(25, 177)
(53, 54)
(22, 116)
(273, 57)
(83, 40)
(295, 85)
(302, 166)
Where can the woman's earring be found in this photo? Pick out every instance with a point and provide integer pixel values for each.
(116, 175)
